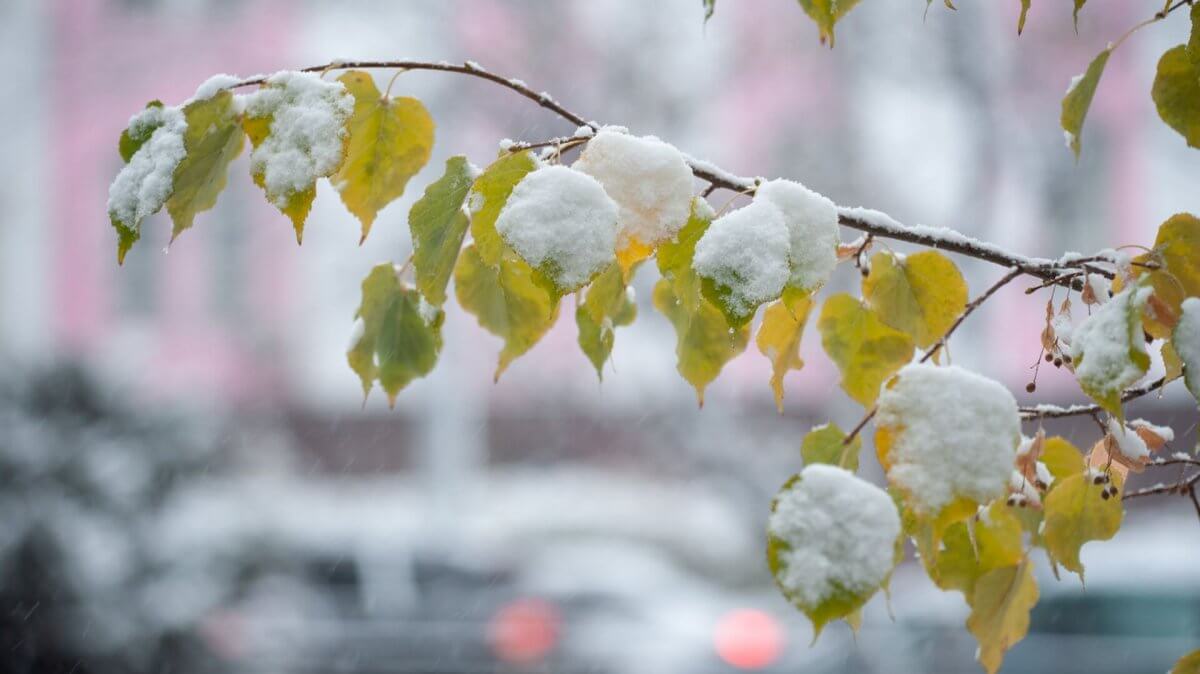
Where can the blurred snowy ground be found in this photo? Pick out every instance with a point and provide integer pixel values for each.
(205, 493)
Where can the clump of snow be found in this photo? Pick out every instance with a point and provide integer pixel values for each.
(1100, 346)
(649, 180)
(356, 334)
(1166, 433)
(428, 312)
(746, 251)
(1020, 486)
(812, 222)
(956, 434)
(1186, 341)
(584, 131)
(561, 221)
(308, 128)
(145, 183)
(840, 535)
(1128, 442)
(213, 85)
(1098, 288)
(1043, 474)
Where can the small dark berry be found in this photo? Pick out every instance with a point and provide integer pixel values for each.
(1049, 357)
(1099, 479)
(1104, 494)
(1011, 501)
(1030, 387)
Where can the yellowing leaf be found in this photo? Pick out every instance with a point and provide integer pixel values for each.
(1075, 14)
(1177, 246)
(826, 13)
(865, 350)
(400, 336)
(1079, 98)
(1176, 94)
(920, 295)
(608, 305)
(826, 444)
(704, 340)
(133, 138)
(633, 252)
(1076, 513)
(390, 141)
(505, 300)
(1021, 19)
(970, 549)
(1000, 606)
(1062, 459)
(709, 7)
(779, 336)
(438, 224)
(488, 196)
(1190, 663)
(675, 256)
(213, 140)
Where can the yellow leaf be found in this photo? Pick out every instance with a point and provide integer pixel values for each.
(1076, 513)
(779, 336)
(632, 253)
(920, 295)
(1000, 606)
(1062, 459)
(400, 336)
(1190, 663)
(1178, 247)
(213, 139)
(390, 141)
(1176, 94)
(826, 13)
(704, 340)
(865, 349)
(488, 196)
(969, 549)
(506, 301)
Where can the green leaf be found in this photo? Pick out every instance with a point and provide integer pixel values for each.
(488, 196)
(401, 333)
(608, 305)
(133, 138)
(1190, 663)
(1183, 351)
(1021, 19)
(506, 300)
(1079, 98)
(675, 256)
(1075, 514)
(438, 224)
(710, 6)
(212, 141)
(921, 295)
(826, 444)
(1000, 606)
(1193, 43)
(704, 340)
(1176, 94)
(1075, 14)
(779, 336)
(865, 349)
(826, 13)
(390, 141)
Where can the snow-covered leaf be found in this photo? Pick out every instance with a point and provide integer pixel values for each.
(398, 335)
(826, 444)
(1078, 99)
(832, 542)
(1109, 348)
(438, 224)
(1076, 513)
(152, 147)
(1000, 606)
(563, 224)
(921, 294)
(1176, 93)
(1186, 344)
(743, 260)
(297, 125)
(779, 336)
(390, 141)
(863, 347)
(212, 141)
(607, 305)
(506, 299)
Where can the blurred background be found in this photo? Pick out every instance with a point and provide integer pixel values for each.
(190, 482)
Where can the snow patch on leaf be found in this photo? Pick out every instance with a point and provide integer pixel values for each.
(746, 253)
(953, 433)
(812, 222)
(146, 182)
(562, 222)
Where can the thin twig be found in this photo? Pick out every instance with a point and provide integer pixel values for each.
(1054, 411)
(1174, 488)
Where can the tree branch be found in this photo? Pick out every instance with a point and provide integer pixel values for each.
(1054, 411)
